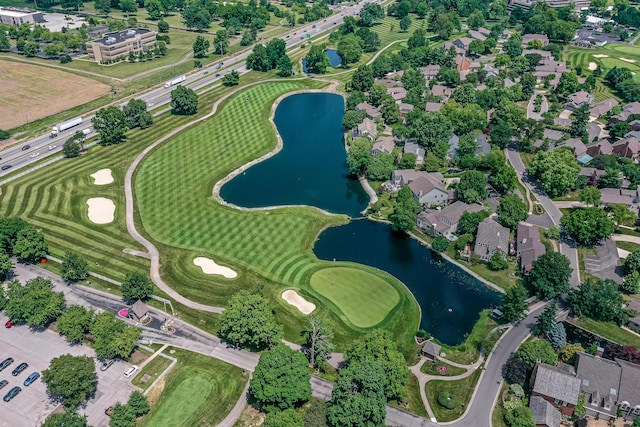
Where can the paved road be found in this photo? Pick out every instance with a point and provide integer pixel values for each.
(567, 245)
(544, 107)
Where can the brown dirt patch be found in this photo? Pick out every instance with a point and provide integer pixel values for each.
(39, 92)
(250, 417)
(155, 392)
(138, 357)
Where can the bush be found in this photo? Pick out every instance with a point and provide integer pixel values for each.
(4, 135)
(448, 401)
(423, 334)
(440, 244)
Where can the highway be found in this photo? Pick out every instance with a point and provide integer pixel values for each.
(27, 152)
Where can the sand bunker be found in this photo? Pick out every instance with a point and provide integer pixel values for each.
(101, 210)
(102, 177)
(209, 266)
(600, 56)
(593, 66)
(627, 60)
(298, 302)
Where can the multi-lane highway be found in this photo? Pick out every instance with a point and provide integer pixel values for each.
(25, 153)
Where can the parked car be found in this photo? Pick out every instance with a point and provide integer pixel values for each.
(109, 411)
(3, 384)
(12, 393)
(132, 370)
(6, 362)
(31, 379)
(8, 324)
(21, 367)
(5, 167)
(106, 364)
(25, 147)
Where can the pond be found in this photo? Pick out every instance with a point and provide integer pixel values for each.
(332, 54)
(311, 170)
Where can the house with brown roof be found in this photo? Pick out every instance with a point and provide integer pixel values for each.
(597, 148)
(444, 222)
(484, 31)
(431, 350)
(530, 37)
(397, 93)
(553, 135)
(415, 148)
(528, 246)
(442, 91)
(634, 125)
(430, 71)
(634, 322)
(544, 413)
(627, 147)
(405, 108)
(429, 189)
(545, 54)
(477, 35)
(368, 109)
(557, 387)
(627, 111)
(384, 144)
(578, 100)
(433, 107)
(366, 129)
(603, 107)
(614, 196)
(491, 238)
(463, 43)
(576, 146)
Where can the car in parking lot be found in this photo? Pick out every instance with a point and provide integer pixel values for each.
(31, 379)
(106, 364)
(3, 384)
(25, 147)
(6, 362)
(8, 324)
(5, 167)
(21, 367)
(12, 393)
(132, 370)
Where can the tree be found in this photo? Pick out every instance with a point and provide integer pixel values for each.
(317, 59)
(513, 47)
(516, 371)
(358, 396)
(616, 75)
(440, 244)
(468, 223)
(632, 262)
(75, 322)
(631, 283)
(154, 9)
(285, 68)
(111, 125)
(557, 170)
(195, 16)
(377, 92)
(72, 147)
(128, 6)
(35, 303)
(136, 114)
(568, 352)
(5, 46)
(476, 48)
(610, 179)
(163, 27)
(514, 304)
(5, 264)
(503, 179)
(379, 347)
(316, 413)
(622, 215)
(112, 337)
(73, 268)
(349, 49)
(352, 119)
(590, 196)
(429, 129)
(184, 101)
(476, 20)
(550, 275)
(249, 321)
(359, 156)
(30, 245)
(71, 379)
(405, 23)
(370, 40)
(231, 79)
(546, 320)
(138, 403)
(537, 350)
(318, 338)
(405, 211)
(281, 379)
(557, 336)
(443, 26)
(600, 300)
(200, 47)
(286, 418)
(472, 187)
(122, 416)
(511, 211)
(520, 416)
(136, 286)
(370, 14)
(68, 418)
(588, 226)
(497, 262)
(390, 111)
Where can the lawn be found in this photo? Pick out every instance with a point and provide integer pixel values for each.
(198, 391)
(462, 389)
(432, 369)
(628, 246)
(413, 401)
(153, 369)
(469, 351)
(499, 412)
(609, 330)
(363, 298)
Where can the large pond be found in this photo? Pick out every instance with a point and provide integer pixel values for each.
(311, 170)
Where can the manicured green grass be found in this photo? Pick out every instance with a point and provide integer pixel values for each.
(153, 369)
(609, 330)
(628, 246)
(469, 351)
(364, 299)
(432, 369)
(462, 389)
(413, 400)
(498, 414)
(199, 390)
(501, 278)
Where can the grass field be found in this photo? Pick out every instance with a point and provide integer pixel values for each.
(463, 389)
(198, 391)
(29, 92)
(153, 369)
(364, 299)
(610, 331)
(628, 246)
(432, 369)
(469, 351)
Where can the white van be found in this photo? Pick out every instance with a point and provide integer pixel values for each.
(132, 370)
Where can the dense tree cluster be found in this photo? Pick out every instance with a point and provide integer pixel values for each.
(34, 303)
(269, 57)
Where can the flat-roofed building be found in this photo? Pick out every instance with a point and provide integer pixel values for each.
(118, 44)
(18, 16)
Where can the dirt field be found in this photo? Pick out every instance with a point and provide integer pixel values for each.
(40, 92)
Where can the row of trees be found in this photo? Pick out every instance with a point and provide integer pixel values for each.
(111, 123)
(270, 57)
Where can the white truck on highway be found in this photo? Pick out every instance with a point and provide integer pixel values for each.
(64, 126)
(175, 81)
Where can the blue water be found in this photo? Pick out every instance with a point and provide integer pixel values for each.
(310, 169)
(332, 54)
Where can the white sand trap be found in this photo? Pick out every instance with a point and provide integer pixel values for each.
(293, 298)
(600, 56)
(627, 60)
(209, 266)
(101, 210)
(593, 66)
(102, 177)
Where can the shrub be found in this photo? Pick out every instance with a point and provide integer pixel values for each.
(448, 401)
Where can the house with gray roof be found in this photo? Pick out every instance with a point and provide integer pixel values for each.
(368, 109)
(429, 190)
(627, 147)
(603, 107)
(444, 222)
(553, 135)
(528, 246)
(402, 177)
(491, 238)
(431, 350)
(614, 196)
(397, 93)
(366, 129)
(415, 148)
(579, 99)
(597, 148)
(477, 35)
(634, 322)
(600, 382)
(556, 386)
(433, 107)
(430, 72)
(544, 413)
(629, 391)
(384, 144)
(627, 111)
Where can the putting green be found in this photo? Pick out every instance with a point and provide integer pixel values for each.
(364, 299)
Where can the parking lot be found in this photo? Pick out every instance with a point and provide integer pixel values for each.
(32, 406)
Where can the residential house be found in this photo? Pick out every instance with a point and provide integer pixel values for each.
(600, 382)
(384, 144)
(578, 149)
(415, 148)
(431, 350)
(397, 93)
(429, 190)
(578, 100)
(456, 46)
(430, 72)
(366, 129)
(405, 108)
(633, 134)
(627, 147)
(634, 322)
(484, 31)
(548, 67)
(597, 148)
(553, 135)
(371, 111)
(477, 35)
(442, 91)
(528, 246)
(490, 239)
(388, 82)
(433, 107)
(402, 177)
(592, 174)
(557, 387)
(565, 123)
(593, 131)
(491, 71)
(634, 125)
(545, 54)
(627, 111)
(444, 222)
(603, 107)
(530, 37)
(544, 413)
(614, 196)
